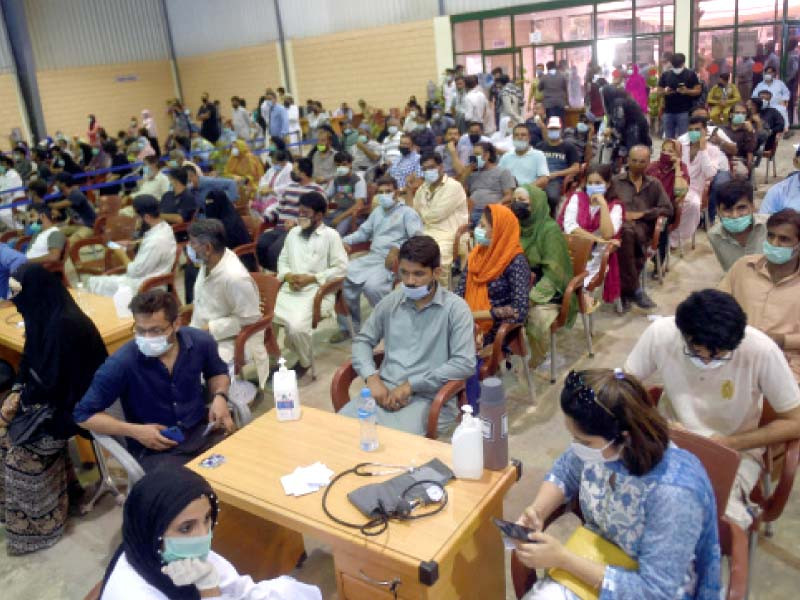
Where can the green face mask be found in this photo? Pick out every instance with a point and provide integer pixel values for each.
(738, 118)
(362, 139)
(736, 224)
(694, 136)
(778, 255)
(179, 548)
(321, 147)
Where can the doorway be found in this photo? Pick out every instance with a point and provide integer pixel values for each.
(575, 56)
(792, 32)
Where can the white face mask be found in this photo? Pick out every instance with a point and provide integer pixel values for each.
(714, 364)
(153, 346)
(592, 455)
(677, 70)
(234, 152)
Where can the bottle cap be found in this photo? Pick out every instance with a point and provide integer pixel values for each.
(282, 364)
(467, 408)
(365, 392)
(492, 391)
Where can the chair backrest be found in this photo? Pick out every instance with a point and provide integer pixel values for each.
(719, 461)
(120, 227)
(268, 287)
(253, 225)
(580, 249)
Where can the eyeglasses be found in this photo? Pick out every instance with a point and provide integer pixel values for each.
(687, 351)
(152, 331)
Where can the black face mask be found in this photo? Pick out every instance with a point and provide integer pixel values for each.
(521, 210)
(404, 151)
(474, 137)
(295, 177)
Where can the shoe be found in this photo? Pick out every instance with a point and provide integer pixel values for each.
(624, 306)
(339, 337)
(643, 301)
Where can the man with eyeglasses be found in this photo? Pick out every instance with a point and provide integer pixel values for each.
(717, 371)
(157, 378)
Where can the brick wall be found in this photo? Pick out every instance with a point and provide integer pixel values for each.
(244, 72)
(10, 115)
(69, 95)
(383, 65)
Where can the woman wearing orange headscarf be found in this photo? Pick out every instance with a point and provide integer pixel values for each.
(243, 164)
(497, 278)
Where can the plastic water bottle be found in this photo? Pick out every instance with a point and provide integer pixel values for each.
(367, 416)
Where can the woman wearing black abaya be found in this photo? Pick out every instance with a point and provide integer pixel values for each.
(627, 124)
(236, 233)
(167, 526)
(62, 351)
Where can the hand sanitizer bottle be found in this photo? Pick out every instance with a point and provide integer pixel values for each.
(284, 389)
(468, 446)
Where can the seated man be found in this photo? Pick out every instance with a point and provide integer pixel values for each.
(78, 208)
(157, 378)
(527, 165)
(177, 158)
(644, 200)
(768, 120)
(448, 151)
(467, 141)
(408, 166)
(386, 228)
(312, 255)
(440, 325)
(154, 182)
(442, 204)
(743, 136)
(786, 193)
(366, 151)
(48, 243)
(180, 204)
(348, 189)
(562, 161)
(485, 181)
(423, 136)
(767, 286)
(716, 372)
(156, 254)
(225, 296)
(740, 230)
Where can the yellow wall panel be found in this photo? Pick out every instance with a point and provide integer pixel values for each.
(244, 72)
(382, 65)
(10, 116)
(112, 92)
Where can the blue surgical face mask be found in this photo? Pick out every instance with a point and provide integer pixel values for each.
(392, 129)
(778, 255)
(592, 455)
(582, 127)
(180, 548)
(362, 139)
(386, 201)
(521, 145)
(193, 256)
(479, 162)
(431, 175)
(736, 224)
(146, 171)
(415, 293)
(595, 188)
(553, 134)
(153, 346)
(738, 118)
(480, 237)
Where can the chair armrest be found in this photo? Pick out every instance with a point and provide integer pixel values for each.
(116, 270)
(733, 543)
(334, 286)
(185, 314)
(575, 284)
(245, 334)
(601, 274)
(449, 389)
(157, 280)
(122, 456)
(359, 247)
(774, 505)
(460, 232)
(340, 385)
(505, 332)
(661, 223)
(245, 249)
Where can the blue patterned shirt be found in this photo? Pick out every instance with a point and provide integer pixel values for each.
(407, 165)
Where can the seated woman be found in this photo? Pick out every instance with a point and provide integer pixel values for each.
(62, 351)
(548, 258)
(498, 276)
(243, 165)
(596, 213)
(636, 490)
(673, 174)
(167, 524)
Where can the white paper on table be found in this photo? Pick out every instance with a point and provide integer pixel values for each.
(306, 480)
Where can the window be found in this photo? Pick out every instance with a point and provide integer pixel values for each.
(562, 25)
(714, 13)
(497, 33)
(760, 11)
(467, 36)
(654, 16)
(615, 20)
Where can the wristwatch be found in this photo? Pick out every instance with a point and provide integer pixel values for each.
(223, 394)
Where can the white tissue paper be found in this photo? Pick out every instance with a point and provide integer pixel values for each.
(305, 480)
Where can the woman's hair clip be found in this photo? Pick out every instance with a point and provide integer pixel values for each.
(619, 373)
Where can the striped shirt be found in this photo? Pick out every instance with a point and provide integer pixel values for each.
(289, 200)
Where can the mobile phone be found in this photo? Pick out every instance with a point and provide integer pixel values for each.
(473, 160)
(513, 530)
(173, 433)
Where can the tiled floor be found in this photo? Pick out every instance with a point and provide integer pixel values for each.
(537, 436)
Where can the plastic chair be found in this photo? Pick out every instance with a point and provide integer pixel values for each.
(254, 226)
(346, 374)
(511, 336)
(769, 155)
(465, 231)
(721, 464)
(246, 250)
(57, 266)
(580, 249)
(704, 210)
(21, 242)
(599, 280)
(651, 251)
(334, 286)
(165, 280)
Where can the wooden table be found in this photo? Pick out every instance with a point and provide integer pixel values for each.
(114, 331)
(457, 553)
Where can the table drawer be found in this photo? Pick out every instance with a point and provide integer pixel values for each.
(363, 573)
(358, 589)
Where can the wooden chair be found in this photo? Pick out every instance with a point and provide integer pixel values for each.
(721, 464)
(109, 206)
(334, 286)
(580, 249)
(346, 374)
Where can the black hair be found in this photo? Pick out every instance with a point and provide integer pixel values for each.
(698, 119)
(488, 148)
(474, 123)
(152, 158)
(770, 67)
(282, 156)
(209, 231)
(305, 166)
(764, 92)
(758, 103)
(152, 301)
(110, 147)
(386, 180)
(503, 79)
(38, 187)
(711, 319)
(180, 175)
(421, 249)
(731, 192)
(551, 64)
(315, 201)
(7, 160)
(430, 155)
(65, 178)
(787, 216)
(521, 126)
(470, 81)
(41, 208)
(341, 157)
(678, 59)
(145, 204)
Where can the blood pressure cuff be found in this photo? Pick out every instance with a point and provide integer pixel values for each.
(383, 498)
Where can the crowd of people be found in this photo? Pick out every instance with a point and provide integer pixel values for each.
(451, 219)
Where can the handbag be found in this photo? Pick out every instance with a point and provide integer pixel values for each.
(587, 544)
(26, 426)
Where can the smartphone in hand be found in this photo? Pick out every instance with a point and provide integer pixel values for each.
(514, 531)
